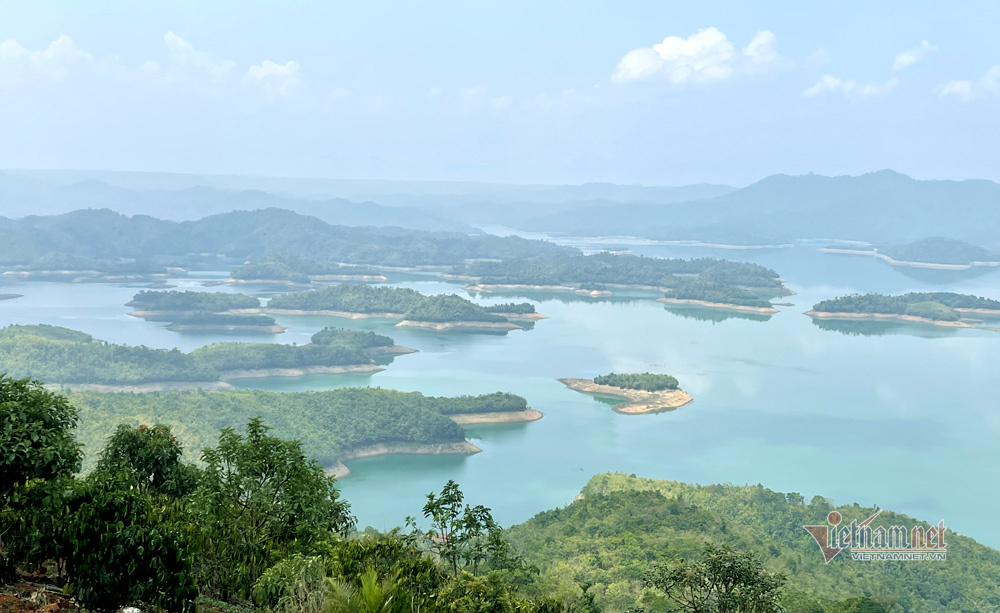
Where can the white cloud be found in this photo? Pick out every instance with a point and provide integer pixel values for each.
(987, 85)
(274, 78)
(912, 56)
(183, 55)
(829, 84)
(704, 57)
(55, 62)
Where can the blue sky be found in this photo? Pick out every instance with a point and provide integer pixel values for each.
(543, 92)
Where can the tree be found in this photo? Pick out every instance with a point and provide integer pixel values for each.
(150, 458)
(37, 450)
(723, 581)
(260, 499)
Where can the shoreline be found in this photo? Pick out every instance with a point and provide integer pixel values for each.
(344, 314)
(720, 305)
(339, 470)
(888, 317)
(391, 350)
(142, 388)
(275, 329)
(910, 263)
(496, 417)
(523, 316)
(637, 402)
(466, 325)
(299, 372)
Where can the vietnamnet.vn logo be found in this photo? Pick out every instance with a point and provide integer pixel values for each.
(881, 542)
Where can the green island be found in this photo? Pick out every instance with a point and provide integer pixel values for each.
(334, 426)
(191, 311)
(704, 281)
(938, 308)
(641, 392)
(258, 524)
(412, 308)
(75, 359)
(937, 252)
(292, 270)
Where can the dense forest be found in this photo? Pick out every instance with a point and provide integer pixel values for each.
(220, 319)
(394, 301)
(939, 251)
(66, 356)
(939, 306)
(648, 382)
(613, 269)
(511, 308)
(189, 301)
(100, 238)
(713, 291)
(621, 525)
(295, 269)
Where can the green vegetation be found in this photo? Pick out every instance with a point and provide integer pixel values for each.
(350, 298)
(67, 356)
(648, 382)
(220, 320)
(295, 269)
(394, 301)
(939, 306)
(512, 308)
(607, 268)
(713, 291)
(328, 423)
(260, 525)
(447, 307)
(939, 250)
(189, 301)
(622, 525)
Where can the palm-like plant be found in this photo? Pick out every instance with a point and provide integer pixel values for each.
(373, 596)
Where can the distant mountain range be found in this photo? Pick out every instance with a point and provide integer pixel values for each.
(883, 207)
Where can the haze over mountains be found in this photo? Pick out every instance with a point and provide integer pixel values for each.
(882, 207)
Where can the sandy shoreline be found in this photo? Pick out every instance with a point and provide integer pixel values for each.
(496, 417)
(721, 305)
(339, 470)
(523, 316)
(391, 350)
(637, 402)
(887, 317)
(299, 372)
(908, 263)
(466, 325)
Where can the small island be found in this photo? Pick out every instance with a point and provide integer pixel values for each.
(335, 426)
(410, 307)
(935, 308)
(69, 358)
(642, 392)
(10, 296)
(215, 312)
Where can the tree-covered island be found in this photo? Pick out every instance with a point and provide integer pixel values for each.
(938, 308)
(77, 360)
(190, 311)
(412, 308)
(641, 392)
(705, 281)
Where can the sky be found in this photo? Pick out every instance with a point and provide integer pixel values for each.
(658, 93)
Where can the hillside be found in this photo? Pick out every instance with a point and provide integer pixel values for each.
(622, 525)
(937, 250)
(879, 207)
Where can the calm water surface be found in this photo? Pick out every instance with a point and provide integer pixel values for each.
(903, 417)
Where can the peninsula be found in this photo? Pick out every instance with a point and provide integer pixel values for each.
(334, 426)
(935, 308)
(642, 393)
(190, 311)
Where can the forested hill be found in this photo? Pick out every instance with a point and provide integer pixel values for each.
(939, 250)
(100, 239)
(622, 525)
(328, 423)
(879, 207)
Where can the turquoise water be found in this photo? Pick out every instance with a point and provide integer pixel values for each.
(900, 416)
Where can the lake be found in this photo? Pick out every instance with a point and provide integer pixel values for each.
(904, 417)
